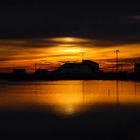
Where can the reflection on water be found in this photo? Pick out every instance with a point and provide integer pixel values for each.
(67, 97)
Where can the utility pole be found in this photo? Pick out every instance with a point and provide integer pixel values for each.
(83, 83)
(117, 60)
(117, 70)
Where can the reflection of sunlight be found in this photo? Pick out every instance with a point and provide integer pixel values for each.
(66, 109)
(70, 109)
(65, 103)
(66, 97)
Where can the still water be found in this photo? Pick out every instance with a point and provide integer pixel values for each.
(67, 97)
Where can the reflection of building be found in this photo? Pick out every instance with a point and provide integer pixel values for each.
(87, 67)
(137, 68)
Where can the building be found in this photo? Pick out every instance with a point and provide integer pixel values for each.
(78, 70)
(91, 66)
(19, 72)
(137, 68)
(41, 73)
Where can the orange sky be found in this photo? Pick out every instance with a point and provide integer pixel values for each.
(52, 52)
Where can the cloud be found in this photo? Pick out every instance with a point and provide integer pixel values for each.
(60, 55)
(135, 17)
(45, 21)
(116, 41)
(124, 60)
(53, 42)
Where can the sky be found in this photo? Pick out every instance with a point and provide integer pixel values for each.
(52, 33)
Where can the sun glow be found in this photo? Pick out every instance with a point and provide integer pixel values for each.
(68, 40)
(71, 50)
(25, 53)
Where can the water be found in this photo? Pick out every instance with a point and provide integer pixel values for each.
(67, 97)
(97, 109)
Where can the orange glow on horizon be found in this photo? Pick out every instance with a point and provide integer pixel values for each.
(24, 54)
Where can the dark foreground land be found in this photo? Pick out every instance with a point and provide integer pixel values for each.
(55, 76)
(103, 123)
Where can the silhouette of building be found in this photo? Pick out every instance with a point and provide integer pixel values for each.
(19, 72)
(78, 70)
(137, 68)
(91, 66)
(41, 73)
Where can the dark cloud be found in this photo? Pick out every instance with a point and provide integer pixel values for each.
(124, 61)
(80, 19)
(11, 58)
(105, 23)
(110, 41)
